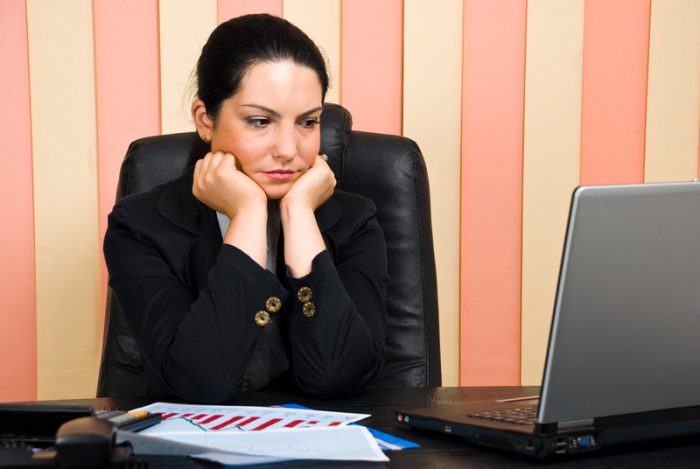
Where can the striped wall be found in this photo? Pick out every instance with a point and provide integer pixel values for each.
(513, 103)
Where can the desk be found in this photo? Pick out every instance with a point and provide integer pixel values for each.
(436, 450)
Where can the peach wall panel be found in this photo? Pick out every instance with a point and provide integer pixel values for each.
(126, 64)
(372, 46)
(320, 19)
(227, 9)
(492, 155)
(551, 149)
(17, 287)
(184, 26)
(431, 116)
(673, 106)
(613, 109)
(69, 308)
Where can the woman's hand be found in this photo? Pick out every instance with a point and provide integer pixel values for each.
(219, 184)
(313, 187)
(302, 237)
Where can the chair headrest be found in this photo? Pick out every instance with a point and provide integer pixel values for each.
(336, 124)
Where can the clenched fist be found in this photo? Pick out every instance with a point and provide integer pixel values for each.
(313, 187)
(220, 185)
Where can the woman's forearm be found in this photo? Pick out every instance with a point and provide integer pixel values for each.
(247, 232)
(302, 238)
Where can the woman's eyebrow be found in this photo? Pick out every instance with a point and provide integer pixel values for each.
(277, 114)
(311, 111)
(262, 108)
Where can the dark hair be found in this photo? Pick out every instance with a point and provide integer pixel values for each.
(236, 45)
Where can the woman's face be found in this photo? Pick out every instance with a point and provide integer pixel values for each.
(271, 125)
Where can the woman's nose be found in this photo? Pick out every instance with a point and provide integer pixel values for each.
(286, 142)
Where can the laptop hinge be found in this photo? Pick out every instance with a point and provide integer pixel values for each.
(575, 424)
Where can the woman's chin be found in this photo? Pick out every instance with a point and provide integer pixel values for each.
(276, 193)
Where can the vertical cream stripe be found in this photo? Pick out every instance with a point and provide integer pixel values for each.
(553, 70)
(65, 195)
(185, 26)
(673, 95)
(432, 110)
(320, 19)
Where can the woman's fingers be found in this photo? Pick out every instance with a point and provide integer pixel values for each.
(319, 161)
(195, 177)
(214, 164)
(206, 161)
(197, 169)
(228, 163)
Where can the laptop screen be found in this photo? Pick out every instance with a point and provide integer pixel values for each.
(625, 333)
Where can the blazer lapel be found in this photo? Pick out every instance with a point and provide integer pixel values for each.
(182, 208)
(328, 214)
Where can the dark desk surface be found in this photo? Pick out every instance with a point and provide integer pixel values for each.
(436, 450)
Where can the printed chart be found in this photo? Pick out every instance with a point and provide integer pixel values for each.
(187, 417)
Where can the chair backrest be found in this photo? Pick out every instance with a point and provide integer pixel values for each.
(387, 169)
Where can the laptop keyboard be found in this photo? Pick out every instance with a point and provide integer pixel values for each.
(519, 416)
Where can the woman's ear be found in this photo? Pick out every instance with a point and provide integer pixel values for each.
(202, 121)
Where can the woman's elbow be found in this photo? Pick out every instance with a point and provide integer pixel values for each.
(344, 380)
(207, 388)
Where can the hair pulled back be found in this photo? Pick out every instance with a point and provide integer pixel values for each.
(236, 45)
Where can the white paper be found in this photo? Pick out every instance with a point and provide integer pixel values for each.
(144, 445)
(349, 443)
(205, 418)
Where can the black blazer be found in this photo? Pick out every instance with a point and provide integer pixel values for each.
(190, 301)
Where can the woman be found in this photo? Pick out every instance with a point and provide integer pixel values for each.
(250, 270)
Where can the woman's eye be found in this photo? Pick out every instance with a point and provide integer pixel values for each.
(310, 123)
(258, 121)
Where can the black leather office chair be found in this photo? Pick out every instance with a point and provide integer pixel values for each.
(389, 170)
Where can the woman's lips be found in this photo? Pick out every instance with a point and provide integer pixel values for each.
(280, 174)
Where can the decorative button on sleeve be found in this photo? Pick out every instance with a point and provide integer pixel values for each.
(273, 304)
(262, 318)
(308, 309)
(304, 294)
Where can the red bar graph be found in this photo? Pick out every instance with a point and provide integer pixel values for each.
(264, 425)
(247, 421)
(210, 419)
(226, 423)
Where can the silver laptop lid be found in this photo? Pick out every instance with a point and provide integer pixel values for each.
(625, 333)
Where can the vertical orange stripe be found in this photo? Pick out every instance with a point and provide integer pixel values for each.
(18, 379)
(371, 56)
(227, 9)
(493, 84)
(127, 88)
(613, 112)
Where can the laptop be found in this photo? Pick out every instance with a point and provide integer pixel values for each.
(623, 359)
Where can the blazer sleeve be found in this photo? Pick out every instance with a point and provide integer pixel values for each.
(339, 349)
(198, 346)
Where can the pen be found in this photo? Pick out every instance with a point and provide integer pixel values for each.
(135, 420)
